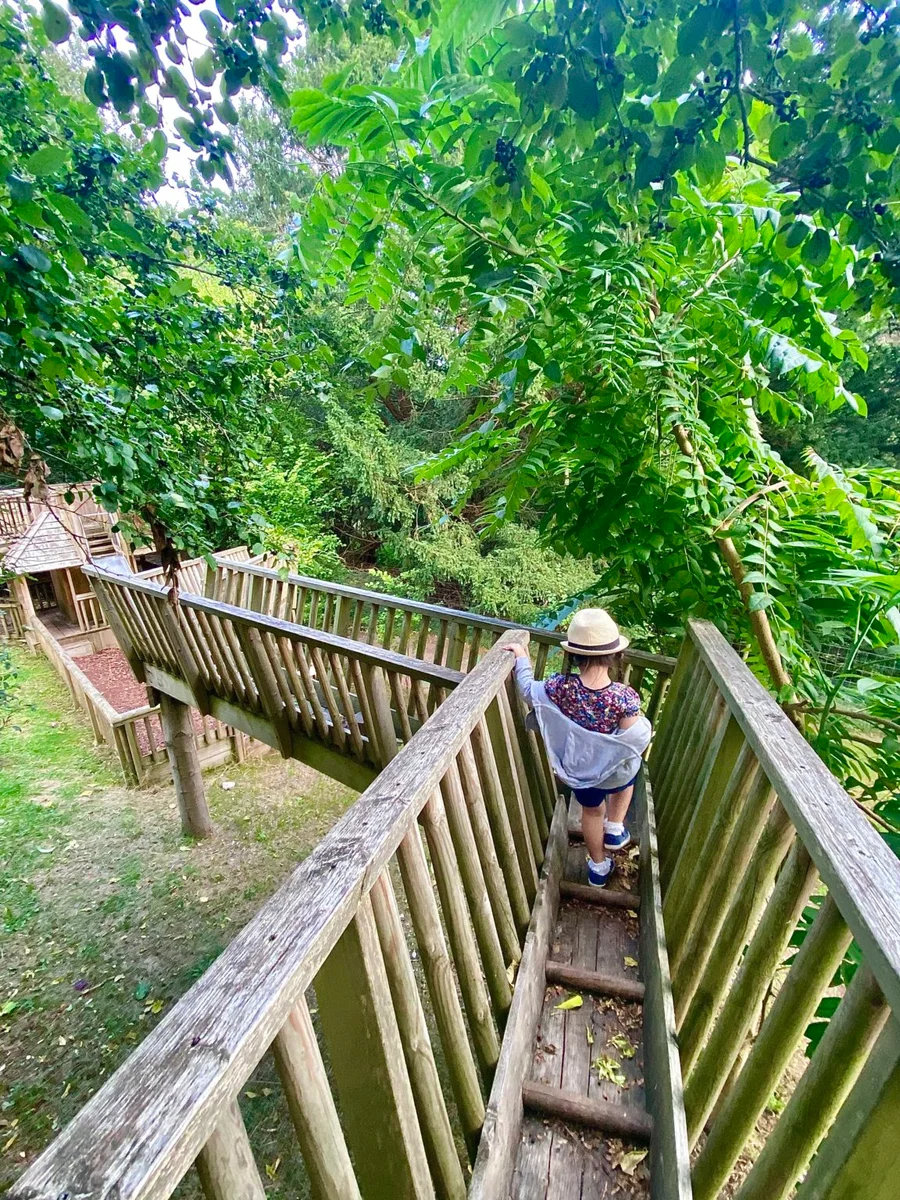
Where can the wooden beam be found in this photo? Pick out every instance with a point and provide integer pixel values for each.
(670, 1162)
(602, 897)
(582, 980)
(181, 744)
(494, 1165)
(623, 1121)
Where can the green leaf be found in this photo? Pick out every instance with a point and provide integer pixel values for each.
(205, 68)
(645, 68)
(795, 233)
(71, 212)
(94, 87)
(759, 600)
(34, 258)
(570, 1002)
(816, 251)
(49, 160)
(51, 412)
(677, 79)
(56, 22)
(710, 162)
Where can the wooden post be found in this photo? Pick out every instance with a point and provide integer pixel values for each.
(764, 953)
(817, 1098)
(225, 1165)
(312, 1109)
(178, 729)
(809, 976)
(368, 1067)
(446, 1170)
(448, 1014)
(513, 798)
(716, 891)
(720, 943)
(861, 1154)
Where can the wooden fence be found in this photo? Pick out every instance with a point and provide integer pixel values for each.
(12, 621)
(759, 844)
(470, 783)
(135, 736)
(311, 695)
(430, 632)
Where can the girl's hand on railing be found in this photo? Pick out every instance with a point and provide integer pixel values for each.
(517, 649)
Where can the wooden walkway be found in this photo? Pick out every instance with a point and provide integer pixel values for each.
(590, 1058)
(427, 1075)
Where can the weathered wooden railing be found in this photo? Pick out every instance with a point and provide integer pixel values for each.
(88, 612)
(430, 632)
(310, 694)
(12, 620)
(136, 736)
(753, 830)
(411, 1110)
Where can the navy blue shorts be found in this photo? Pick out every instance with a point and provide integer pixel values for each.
(594, 797)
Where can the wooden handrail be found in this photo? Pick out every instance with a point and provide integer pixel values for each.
(372, 655)
(861, 872)
(148, 1123)
(658, 662)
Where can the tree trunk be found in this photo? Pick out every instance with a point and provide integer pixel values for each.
(178, 729)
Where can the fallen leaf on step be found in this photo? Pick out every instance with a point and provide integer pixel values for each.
(628, 1160)
(608, 1068)
(629, 961)
(589, 1035)
(623, 1045)
(572, 1002)
(634, 852)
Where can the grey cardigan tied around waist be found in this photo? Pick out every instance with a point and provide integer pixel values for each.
(580, 757)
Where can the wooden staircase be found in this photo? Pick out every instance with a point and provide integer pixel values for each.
(414, 979)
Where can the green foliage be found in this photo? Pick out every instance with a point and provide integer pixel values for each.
(510, 574)
(9, 685)
(288, 504)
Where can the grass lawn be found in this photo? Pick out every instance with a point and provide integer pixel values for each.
(108, 914)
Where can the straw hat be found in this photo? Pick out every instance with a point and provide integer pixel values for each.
(592, 631)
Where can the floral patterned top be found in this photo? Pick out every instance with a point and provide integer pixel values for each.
(600, 710)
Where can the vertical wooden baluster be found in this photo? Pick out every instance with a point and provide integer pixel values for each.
(726, 745)
(448, 1014)
(343, 691)
(657, 696)
(287, 650)
(382, 727)
(358, 606)
(372, 631)
(312, 619)
(675, 714)
(225, 1164)
(512, 798)
(312, 1108)
(422, 640)
(725, 878)
(300, 652)
(328, 615)
(389, 619)
(456, 644)
(401, 704)
(691, 749)
(462, 938)
(365, 1051)
(368, 726)
(810, 974)
(423, 1074)
(517, 761)
(476, 893)
(484, 842)
(338, 736)
(636, 680)
(533, 780)
(540, 659)
(405, 632)
(474, 649)
(848, 1041)
(859, 1155)
(691, 880)
(441, 641)
(266, 686)
(710, 1042)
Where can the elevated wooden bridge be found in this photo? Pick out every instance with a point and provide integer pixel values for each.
(485, 1025)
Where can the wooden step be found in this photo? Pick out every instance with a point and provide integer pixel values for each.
(594, 981)
(633, 1124)
(604, 897)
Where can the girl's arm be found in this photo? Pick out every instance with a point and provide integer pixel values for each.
(524, 673)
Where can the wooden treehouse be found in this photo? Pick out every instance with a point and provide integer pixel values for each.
(43, 546)
(407, 979)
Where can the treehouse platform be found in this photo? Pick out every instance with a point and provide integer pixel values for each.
(451, 1011)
